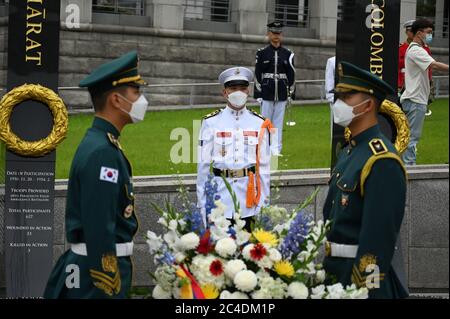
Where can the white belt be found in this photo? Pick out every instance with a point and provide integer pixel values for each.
(122, 250)
(340, 250)
(276, 76)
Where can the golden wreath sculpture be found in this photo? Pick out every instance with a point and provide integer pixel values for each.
(57, 108)
(395, 113)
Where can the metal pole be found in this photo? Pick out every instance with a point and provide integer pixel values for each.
(289, 110)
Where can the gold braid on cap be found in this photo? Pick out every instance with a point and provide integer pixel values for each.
(136, 78)
(60, 120)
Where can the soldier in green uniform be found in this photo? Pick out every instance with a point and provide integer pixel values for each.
(367, 191)
(100, 217)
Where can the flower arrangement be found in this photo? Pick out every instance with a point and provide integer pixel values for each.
(276, 260)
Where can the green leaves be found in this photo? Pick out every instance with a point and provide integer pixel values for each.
(309, 200)
(236, 204)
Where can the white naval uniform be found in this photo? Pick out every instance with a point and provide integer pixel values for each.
(229, 139)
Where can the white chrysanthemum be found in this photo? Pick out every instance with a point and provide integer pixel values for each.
(235, 295)
(298, 290)
(275, 255)
(165, 276)
(245, 280)
(176, 291)
(246, 251)
(225, 295)
(335, 291)
(260, 295)
(159, 293)
(270, 288)
(265, 262)
(355, 293)
(318, 292)
(239, 295)
(200, 269)
(190, 241)
(233, 267)
(226, 247)
(262, 274)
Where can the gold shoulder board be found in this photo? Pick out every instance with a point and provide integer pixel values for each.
(258, 115)
(216, 112)
(365, 172)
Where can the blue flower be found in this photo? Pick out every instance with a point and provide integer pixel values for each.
(265, 222)
(296, 235)
(195, 219)
(166, 258)
(210, 191)
(232, 232)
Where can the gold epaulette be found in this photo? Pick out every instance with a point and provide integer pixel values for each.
(380, 151)
(257, 114)
(216, 112)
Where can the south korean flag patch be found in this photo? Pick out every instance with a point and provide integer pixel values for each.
(109, 175)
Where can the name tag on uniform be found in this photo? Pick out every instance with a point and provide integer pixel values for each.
(109, 174)
(223, 134)
(251, 133)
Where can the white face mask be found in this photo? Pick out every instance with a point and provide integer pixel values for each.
(238, 99)
(138, 108)
(343, 113)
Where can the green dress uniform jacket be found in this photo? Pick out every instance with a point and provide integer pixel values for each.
(99, 213)
(366, 203)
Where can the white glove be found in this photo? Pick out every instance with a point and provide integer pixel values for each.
(260, 100)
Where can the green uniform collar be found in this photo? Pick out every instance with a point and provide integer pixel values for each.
(367, 135)
(105, 126)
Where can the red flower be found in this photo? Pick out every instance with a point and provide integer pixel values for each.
(216, 268)
(258, 252)
(205, 246)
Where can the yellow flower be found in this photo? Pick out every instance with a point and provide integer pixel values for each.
(284, 268)
(210, 291)
(265, 237)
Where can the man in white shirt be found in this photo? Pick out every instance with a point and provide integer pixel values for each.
(417, 85)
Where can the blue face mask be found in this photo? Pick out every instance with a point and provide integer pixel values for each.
(428, 38)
